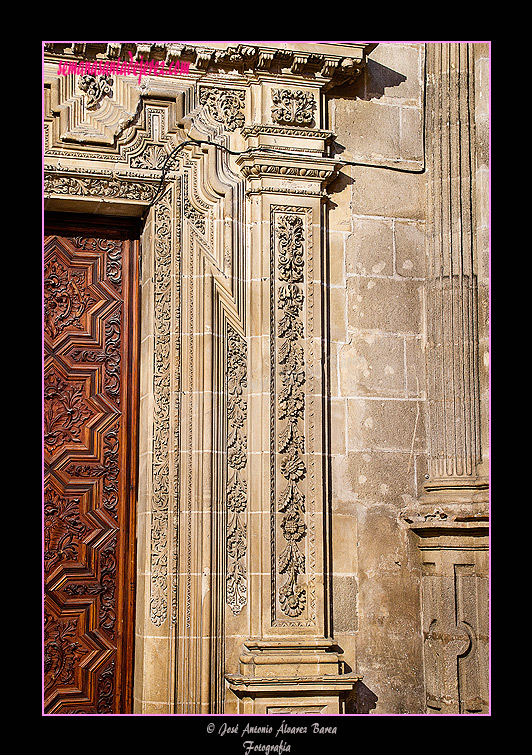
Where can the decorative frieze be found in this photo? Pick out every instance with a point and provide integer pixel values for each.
(92, 186)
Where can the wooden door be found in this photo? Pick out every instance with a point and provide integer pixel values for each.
(90, 412)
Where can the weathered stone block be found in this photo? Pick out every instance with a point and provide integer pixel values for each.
(385, 425)
(369, 249)
(393, 306)
(410, 249)
(372, 364)
(344, 592)
(374, 476)
(388, 193)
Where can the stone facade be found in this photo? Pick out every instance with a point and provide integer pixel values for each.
(312, 515)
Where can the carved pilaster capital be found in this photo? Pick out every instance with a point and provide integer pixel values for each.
(289, 173)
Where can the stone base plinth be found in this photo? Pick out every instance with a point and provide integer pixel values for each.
(291, 677)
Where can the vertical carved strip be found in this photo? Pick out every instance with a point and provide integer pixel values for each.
(288, 333)
(161, 429)
(177, 363)
(236, 529)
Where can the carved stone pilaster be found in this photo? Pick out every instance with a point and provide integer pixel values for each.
(290, 663)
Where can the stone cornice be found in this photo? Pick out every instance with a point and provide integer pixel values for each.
(330, 63)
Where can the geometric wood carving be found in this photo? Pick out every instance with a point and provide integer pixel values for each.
(90, 396)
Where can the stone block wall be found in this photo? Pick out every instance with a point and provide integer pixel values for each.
(378, 239)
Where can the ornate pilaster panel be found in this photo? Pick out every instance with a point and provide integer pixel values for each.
(291, 452)
(161, 558)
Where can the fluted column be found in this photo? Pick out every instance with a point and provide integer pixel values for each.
(452, 523)
(452, 347)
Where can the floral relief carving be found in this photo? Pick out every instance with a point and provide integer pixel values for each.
(291, 407)
(65, 411)
(106, 689)
(63, 529)
(293, 107)
(224, 106)
(152, 157)
(236, 462)
(62, 650)
(161, 428)
(66, 298)
(112, 188)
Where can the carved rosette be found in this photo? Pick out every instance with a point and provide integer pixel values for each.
(289, 444)
(236, 530)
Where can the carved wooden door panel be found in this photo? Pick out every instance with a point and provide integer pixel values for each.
(89, 419)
